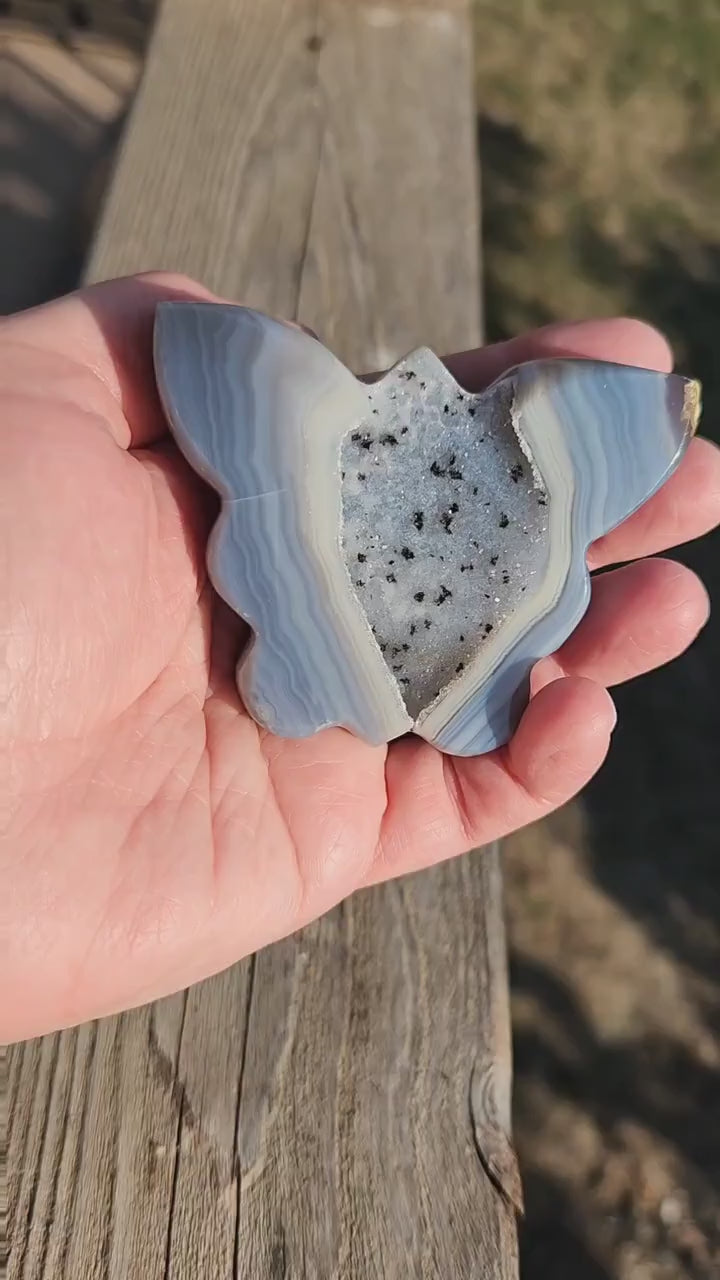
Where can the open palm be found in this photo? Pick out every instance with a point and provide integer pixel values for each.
(150, 833)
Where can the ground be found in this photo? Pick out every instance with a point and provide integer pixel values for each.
(598, 135)
(601, 187)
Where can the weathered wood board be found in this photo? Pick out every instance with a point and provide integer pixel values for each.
(332, 1106)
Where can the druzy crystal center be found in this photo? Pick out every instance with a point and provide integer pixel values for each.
(444, 524)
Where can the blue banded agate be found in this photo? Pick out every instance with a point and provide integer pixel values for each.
(404, 550)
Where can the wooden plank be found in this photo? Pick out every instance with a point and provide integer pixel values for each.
(339, 1104)
(217, 173)
(356, 1142)
(292, 156)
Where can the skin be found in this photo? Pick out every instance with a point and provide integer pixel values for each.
(150, 833)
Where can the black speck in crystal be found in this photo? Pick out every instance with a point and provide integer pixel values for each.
(488, 628)
(462, 639)
(446, 521)
(516, 473)
(405, 648)
(403, 679)
(455, 474)
(390, 577)
(471, 411)
(388, 438)
(362, 557)
(446, 408)
(474, 490)
(418, 519)
(407, 554)
(505, 577)
(542, 502)
(436, 469)
(419, 596)
(356, 435)
(359, 583)
(428, 624)
(503, 522)
(365, 444)
(361, 475)
(494, 559)
(408, 374)
(454, 508)
(403, 431)
(412, 628)
(443, 595)
(460, 667)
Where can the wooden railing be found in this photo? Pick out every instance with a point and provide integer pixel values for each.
(337, 1105)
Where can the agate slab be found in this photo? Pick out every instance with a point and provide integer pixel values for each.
(404, 550)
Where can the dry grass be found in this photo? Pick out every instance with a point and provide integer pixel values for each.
(601, 165)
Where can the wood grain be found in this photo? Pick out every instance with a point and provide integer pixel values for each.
(338, 1105)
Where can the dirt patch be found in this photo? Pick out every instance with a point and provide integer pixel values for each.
(617, 1108)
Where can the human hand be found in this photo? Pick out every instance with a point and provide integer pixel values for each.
(150, 833)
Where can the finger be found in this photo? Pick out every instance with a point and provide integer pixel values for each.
(687, 506)
(622, 341)
(108, 328)
(640, 617)
(439, 806)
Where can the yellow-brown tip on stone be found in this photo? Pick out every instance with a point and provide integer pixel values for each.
(692, 405)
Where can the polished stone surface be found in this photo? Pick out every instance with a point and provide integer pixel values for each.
(403, 550)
